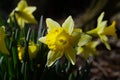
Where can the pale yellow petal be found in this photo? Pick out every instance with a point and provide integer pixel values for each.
(68, 25)
(42, 39)
(29, 18)
(21, 5)
(52, 57)
(51, 24)
(100, 18)
(93, 32)
(76, 34)
(104, 39)
(70, 54)
(21, 22)
(84, 39)
(103, 24)
(93, 44)
(29, 10)
(79, 50)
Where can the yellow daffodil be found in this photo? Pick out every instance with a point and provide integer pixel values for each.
(61, 40)
(110, 30)
(23, 14)
(3, 47)
(99, 30)
(32, 50)
(88, 50)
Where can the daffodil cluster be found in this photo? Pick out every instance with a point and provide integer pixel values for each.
(102, 30)
(62, 40)
(68, 41)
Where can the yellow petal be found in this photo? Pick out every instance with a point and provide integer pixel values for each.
(102, 24)
(100, 18)
(51, 24)
(52, 57)
(76, 34)
(21, 5)
(29, 10)
(93, 32)
(29, 18)
(71, 55)
(79, 50)
(42, 39)
(93, 44)
(21, 22)
(68, 25)
(84, 39)
(104, 39)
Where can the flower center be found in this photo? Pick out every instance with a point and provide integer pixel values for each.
(58, 39)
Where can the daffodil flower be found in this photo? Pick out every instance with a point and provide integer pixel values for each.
(99, 30)
(89, 49)
(110, 30)
(32, 50)
(23, 14)
(61, 40)
(3, 47)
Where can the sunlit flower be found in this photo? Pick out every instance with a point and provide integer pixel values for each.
(99, 30)
(32, 50)
(88, 50)
(61, 40)
(23, 14)
(110, 30)
(3, 47)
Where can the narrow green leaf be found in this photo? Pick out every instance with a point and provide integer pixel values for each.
(40, 28)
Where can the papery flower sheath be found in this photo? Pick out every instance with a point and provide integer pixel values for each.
(61, 40)
(23, 14)
(99, 30)
(3, 47)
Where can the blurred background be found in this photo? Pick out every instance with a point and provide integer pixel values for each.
(84, 11)
(62, 8)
